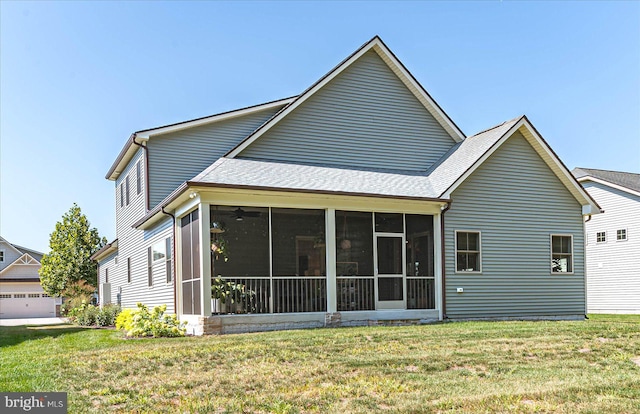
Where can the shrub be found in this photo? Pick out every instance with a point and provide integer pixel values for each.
(140, 322)
(107, 315)
(87, 315)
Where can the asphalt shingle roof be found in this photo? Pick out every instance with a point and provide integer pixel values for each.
(624, 179)
(428, 184)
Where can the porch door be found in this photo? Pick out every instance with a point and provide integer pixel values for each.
(389, 271)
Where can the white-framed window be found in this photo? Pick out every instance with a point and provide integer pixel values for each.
(1, 256)
(468, 252)
(561, 253)
(601, 237)
(621, 234)
(158, 251)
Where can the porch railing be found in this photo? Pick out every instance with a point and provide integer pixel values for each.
(355, 293)
(421, 293)
(277, 295)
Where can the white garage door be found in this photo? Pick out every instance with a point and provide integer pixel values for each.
(26, 305)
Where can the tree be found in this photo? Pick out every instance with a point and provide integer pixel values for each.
(72, 243)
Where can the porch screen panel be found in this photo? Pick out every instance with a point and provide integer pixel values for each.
(354, 261)
(299, 264)
(190, 231)
(420, 262)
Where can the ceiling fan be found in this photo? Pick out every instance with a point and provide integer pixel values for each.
(239, 214)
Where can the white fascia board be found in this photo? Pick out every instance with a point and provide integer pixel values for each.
(384, 53)
(146, 134)
(608, 184)
(15, 263)
(547, 155)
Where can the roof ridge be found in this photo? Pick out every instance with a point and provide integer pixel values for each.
(611, 171)
(497, 126)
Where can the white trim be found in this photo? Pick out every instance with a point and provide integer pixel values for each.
(438, 266)
(608, 184)
(148, 133)
(547, 155)
(204, 216)
(455, 252)
(386, 55)
(626, 235)
(331, 259)
(573, 253)
(25, 259)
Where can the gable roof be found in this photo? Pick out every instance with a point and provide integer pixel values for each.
(25, 259)
(137, 138)
(377, 45)
(22, 250)
(26, 256)
(628, 182)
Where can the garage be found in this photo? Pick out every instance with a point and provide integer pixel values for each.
(26, 305)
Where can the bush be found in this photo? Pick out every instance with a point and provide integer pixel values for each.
(87, 315)
(140, 322)
(107, 315)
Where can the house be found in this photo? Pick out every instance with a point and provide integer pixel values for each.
(613, 241)
(21, 295)
(358, 201)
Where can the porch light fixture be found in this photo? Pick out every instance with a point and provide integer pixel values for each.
(193, 194)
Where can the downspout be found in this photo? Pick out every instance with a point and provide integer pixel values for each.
(146, 172)
(443, 281)
(173, 259)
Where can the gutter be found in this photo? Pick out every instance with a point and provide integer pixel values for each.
(173, 260)
(443, 279)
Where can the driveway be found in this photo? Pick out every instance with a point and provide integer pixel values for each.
(31, 321)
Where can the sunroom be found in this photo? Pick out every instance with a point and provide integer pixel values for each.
(277, 266)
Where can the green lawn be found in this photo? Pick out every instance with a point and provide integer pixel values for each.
(588, 366)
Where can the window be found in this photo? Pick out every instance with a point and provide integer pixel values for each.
(128, 270)
(159, 250)
(1, 256)
(149, 266)
(19, 296)
(168, 259)
(621, 235)
(5, 295)
(468, 251)
(561, 254)
(44, 295)
(139, 177)
(106, 275)
(601, 237)
(121, 194)
(34, 295)
(126, 181)
(115, 260)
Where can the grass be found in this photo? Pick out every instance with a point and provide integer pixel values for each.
(587, 366)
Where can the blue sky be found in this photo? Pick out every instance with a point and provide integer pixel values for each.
(77, 78)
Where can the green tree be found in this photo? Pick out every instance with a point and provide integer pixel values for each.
(72, 243)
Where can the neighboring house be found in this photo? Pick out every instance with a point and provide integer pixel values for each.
(355, 202)
(613, 241)
(21, 295)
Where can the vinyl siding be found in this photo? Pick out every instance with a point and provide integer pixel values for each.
(516, 202)
(22, 271)
(365, 117)
(613, 268)
(133, 244)
(179, 156)
(10, 254)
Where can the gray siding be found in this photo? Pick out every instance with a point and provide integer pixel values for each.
(179, 156)
(516, 202)
(10, 254)
(613, 267)
(365, 117)
(133, 244)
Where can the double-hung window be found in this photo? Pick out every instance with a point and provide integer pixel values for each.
(621, 235)
(468, 257)
(561, 253)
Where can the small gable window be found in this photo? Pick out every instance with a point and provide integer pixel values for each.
(621, 235)
(1, 256)
(561, 253)
(468, 251)
(601, 237)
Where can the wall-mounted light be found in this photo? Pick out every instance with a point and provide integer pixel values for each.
(193, 194)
